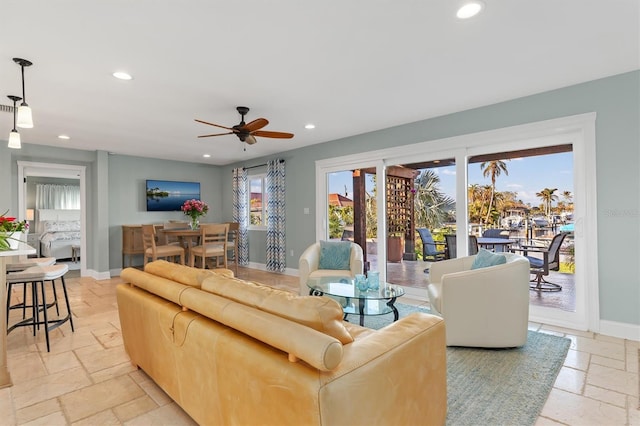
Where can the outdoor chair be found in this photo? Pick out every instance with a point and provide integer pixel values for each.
(429, 246)
(451, 251)
(540, 267)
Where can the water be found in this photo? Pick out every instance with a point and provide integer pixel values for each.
(171, 202)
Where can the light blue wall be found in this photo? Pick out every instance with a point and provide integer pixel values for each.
(617, 104)
(127, 194)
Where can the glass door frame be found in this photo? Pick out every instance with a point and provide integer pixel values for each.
(578, 130)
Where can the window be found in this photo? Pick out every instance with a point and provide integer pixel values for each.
(258, 201)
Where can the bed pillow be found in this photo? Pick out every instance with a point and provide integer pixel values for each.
(335, 255)
(485, 258)
(59, 225)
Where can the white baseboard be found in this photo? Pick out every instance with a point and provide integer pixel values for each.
(263, 267)
(97, 275)
(620, 329)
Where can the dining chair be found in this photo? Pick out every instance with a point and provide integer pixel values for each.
(213, 243)
(154, 251)
(232, 243)
(173, 239)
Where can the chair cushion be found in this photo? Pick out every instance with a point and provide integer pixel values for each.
(335, 255)
(485, 258)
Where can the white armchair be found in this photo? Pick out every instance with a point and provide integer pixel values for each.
(310, 260)
(486, 307)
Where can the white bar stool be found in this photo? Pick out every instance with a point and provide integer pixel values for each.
(38, 275)
(21, 266)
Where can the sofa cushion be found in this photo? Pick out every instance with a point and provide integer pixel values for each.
(485, 258)
(320, 313)
(335, 255)
(182, 274)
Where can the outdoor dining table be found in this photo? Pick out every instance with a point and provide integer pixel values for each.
(498, 244)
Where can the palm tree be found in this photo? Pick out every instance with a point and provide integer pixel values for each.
(493, 169)
(568, 197)
(547, 196)
(430, 203)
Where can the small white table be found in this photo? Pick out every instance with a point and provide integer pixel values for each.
(7, 256)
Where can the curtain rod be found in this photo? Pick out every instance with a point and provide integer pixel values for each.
(260, 165)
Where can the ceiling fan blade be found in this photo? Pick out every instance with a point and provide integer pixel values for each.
(269, 134)
(215, 125)
(216, 134)
(256, 124)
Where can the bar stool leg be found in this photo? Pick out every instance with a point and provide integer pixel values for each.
(66, 298)
(44, 313)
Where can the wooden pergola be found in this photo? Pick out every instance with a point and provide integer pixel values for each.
(400, 207)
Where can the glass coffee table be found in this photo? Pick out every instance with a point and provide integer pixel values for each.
(354, 301)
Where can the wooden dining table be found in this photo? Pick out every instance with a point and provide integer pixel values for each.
(186, 236)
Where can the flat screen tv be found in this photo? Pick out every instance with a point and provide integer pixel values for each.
(169, 196)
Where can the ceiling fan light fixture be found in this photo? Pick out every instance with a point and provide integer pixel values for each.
(470, 9)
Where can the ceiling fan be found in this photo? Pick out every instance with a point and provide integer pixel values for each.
(247, 132)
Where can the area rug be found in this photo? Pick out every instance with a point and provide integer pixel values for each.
(496, 386)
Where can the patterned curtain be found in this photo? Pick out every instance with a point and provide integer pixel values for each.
(276, 248)
(51, 196)
(241, 213)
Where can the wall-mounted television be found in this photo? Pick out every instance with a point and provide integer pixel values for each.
(169, 196)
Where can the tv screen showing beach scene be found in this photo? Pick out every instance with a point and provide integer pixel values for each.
(164, 195)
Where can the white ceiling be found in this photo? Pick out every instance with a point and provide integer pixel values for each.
(349, 67)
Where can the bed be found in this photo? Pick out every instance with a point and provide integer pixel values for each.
(59, 231)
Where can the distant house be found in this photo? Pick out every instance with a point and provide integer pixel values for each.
(339, 200)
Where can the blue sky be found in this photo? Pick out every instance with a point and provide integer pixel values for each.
(527, 176)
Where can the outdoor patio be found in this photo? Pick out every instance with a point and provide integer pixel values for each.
(410, 273)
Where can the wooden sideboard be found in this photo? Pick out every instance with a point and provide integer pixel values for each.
(131, 242)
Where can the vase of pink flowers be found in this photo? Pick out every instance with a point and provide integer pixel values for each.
(11, 231)
(194, 209)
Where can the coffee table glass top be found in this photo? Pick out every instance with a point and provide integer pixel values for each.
(353, 300)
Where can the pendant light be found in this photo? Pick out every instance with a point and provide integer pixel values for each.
(25, 120)
(14, 136)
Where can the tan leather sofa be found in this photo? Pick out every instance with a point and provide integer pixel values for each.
(310, 260)
(486, 307)
(233, 352)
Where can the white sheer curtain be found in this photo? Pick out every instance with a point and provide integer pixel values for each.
(51, 196)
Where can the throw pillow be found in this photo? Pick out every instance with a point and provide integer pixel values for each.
(335, 255)
(485, 258)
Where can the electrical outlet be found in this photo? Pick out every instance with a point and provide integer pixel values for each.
(291, 252)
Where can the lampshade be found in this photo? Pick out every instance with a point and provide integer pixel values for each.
(31, 214)
(14, 140)
(25, 119)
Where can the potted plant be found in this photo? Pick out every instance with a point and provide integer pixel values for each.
(395, 247)
(11, 231)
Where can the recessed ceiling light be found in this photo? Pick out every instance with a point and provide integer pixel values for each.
(63, 137)
(207, 155)
(122, 75)
(310, 126)
(470, 9)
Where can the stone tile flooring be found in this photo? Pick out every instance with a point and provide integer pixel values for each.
(87, 378)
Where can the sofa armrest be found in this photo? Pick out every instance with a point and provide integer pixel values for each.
(406, 359)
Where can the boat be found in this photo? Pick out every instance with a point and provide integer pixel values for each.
(540, 221)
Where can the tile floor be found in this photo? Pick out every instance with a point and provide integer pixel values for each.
(87, 378)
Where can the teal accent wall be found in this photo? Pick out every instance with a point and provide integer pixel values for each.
(615, 100)
(115, 184)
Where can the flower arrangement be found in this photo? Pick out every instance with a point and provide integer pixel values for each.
(194, 209)
(9, 226)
